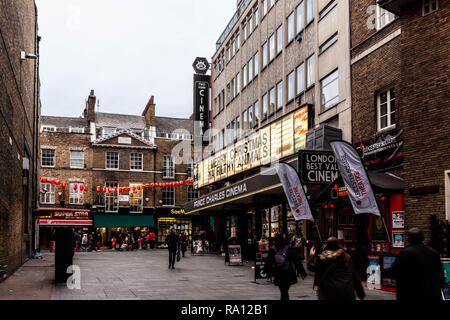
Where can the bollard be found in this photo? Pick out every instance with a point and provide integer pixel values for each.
(76, 246)
(99, 246)
(51, 246)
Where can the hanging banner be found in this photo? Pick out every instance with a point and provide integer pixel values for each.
(294, 192)
(355, 178)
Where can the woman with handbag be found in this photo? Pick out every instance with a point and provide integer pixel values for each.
(335, 274)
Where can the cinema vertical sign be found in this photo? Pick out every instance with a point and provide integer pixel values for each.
(201, 100)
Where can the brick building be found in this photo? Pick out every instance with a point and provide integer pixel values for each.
(19, 116)
(115, 151)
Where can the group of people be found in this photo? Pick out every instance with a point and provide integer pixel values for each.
(87, 241)
(417, 269)
(133, 240)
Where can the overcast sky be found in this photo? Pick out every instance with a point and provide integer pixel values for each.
(126, 51)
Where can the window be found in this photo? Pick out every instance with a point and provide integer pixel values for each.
(47, 193)
(77, 159)
(233, 130)
(112, 160)
(250, 70)
(384, 17)
(309, 11)
(250, 24)
(168, 196)
(272, 100)
(327, 9)
(192, 193)
(228, 142)
(290, 86)
(300, 78)
(429, 6)
(328, 43)
(244, 120)
(279, 39)
(168, 168)
(136, 161)
(310, 74)
(272, 47)
(76, 130)
(238, 127)
(49, 128)
(255, 10)
(48, 158)
(386, 108)
(256, 62)
(256, 113)
(75, 195)
(264, 55)
(300, 17)
(232, 89)
(244, 76)
(111, 201)
(264, 5)
(290, 28)
(272, 3)
(136, 197)
(228, 93)
(280, 95)
(330, 90)
(108, 131)
(238, 41)
(238, 83)
(264, 106)
(190, 169)
(250, 117)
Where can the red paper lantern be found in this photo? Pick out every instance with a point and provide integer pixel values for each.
(63, 185)
(109, 189)
(104, 189)
(147, 185)
(181, 183)
(115, 189)
(52, 181)
(85, 188)
(75, 186)
(128, 188)
(57, 182)
(120, 193)
(44, 179)
(81, 187)
(139, 187)
(98, 189)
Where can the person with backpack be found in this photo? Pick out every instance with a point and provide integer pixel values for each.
(281, 265)
(335, 274)
(299, 244)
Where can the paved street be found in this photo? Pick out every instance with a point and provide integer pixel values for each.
(144, 275)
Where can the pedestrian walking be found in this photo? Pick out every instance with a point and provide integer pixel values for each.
(152, 240)
(113, 241)
(418, 270)
(172, 242)
(335, 274)
(211, 236)
(84, 242)
(280, 264)
(93, 241)
(299, 244)
(183, 243)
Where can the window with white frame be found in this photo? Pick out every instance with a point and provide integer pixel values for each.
(49, 128)
(111, 198)
(272, 47)
(386, 108)
(76, 159)
(279, 95)
(76, 130)
(328, 43)
(136, 197)
(300, 16)
(168, 167)
(265, 101)
(264, 6)
(279, 39)
(327, 9)
(112, 160)
(47, 193)
(108, 131)
(272, 3)
(429, 6)
(309, 11)
(300, 78)
(256, 64)
(192, 193)
(384, 17)
(250, 117)
(330, 90)
(47, 157)
(190, 169)
(244, 76)
(168, 194)
(250, 70)
(290, 28)
(255, 14)
(256, 114)
(136, 161)
(238, 83)
(75, 195)
(272, 101)
(291, 86)
(238, 127)
(264, 55)
(244, 30)
(310, 71)
(244, 120)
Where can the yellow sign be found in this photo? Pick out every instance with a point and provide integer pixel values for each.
(272, 142)
(175, 211)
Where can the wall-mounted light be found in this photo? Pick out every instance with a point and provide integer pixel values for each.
(24, 55)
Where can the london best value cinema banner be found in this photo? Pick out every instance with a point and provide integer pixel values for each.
(294, 192)
(355, 178)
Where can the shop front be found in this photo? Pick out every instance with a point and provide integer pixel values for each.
(50, 218)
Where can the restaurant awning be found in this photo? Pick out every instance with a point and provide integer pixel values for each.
(117, 221)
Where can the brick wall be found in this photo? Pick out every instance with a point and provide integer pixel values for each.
(17, 27)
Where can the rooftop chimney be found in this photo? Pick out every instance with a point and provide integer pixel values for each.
(90, 106)
(149, 112)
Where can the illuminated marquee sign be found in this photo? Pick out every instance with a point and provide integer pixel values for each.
(272, 142)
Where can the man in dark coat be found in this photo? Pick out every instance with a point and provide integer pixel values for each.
(284, 276)
(172, 241)
(418, 270)
(335, 273)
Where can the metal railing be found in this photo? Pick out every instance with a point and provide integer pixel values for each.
(242, 6)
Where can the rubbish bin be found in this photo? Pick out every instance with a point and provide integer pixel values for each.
(64, 252)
